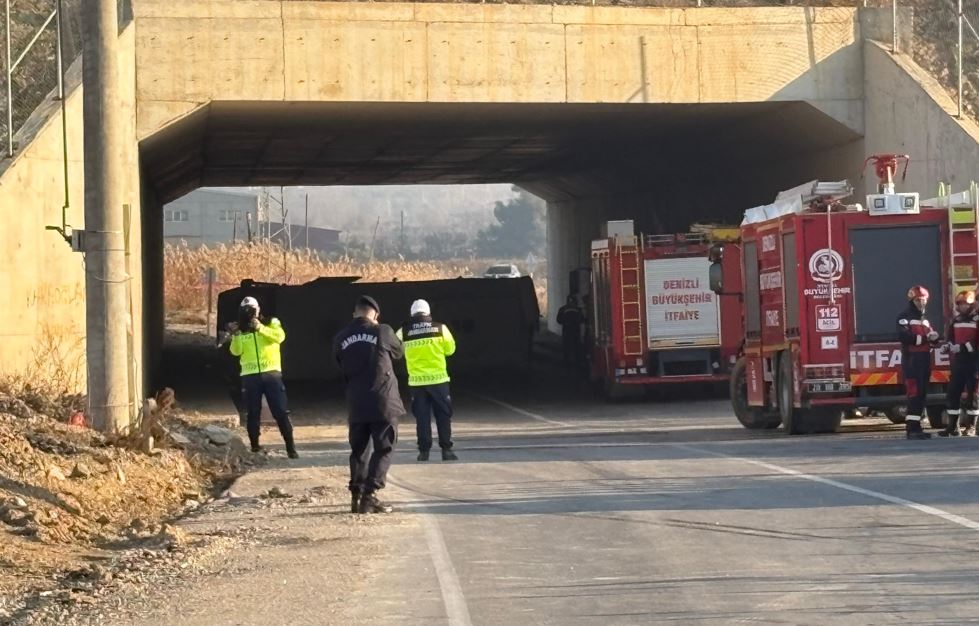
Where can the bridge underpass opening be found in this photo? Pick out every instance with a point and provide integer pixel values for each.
(663, 165)
(470, 251)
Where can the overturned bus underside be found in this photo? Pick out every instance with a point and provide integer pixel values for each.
(493, 321)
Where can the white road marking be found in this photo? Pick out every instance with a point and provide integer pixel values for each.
(921, 508)
(519, 411)
(453, 598)
(456, 608)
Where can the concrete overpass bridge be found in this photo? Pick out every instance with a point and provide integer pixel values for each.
(665, 116)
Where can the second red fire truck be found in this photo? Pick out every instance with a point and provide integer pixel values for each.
(655, 319)
(822, 284)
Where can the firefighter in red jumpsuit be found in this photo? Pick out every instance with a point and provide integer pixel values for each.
(963, 342)
(917, 338)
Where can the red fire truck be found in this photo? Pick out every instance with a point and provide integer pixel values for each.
(823, 284)
(655, 319)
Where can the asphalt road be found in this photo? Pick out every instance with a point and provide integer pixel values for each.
(567, 510)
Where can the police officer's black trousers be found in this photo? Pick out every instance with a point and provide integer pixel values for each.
(963, 379)
(428, 399)
(269, 384)
(917, 371)
(369, 469)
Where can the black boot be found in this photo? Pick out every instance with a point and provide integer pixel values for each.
(952, 428)
(969, 426)
(254, 442)
(370, 504)
(355, 502)
(913, 430)
(422, 455)
(290, 446)
(449, 455)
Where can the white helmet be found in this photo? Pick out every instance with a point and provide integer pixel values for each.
(249, 302)
(420, 307)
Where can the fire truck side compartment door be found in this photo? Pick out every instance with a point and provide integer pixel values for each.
(752, 303)
(790, 283)
(770, 281)
(824, 267)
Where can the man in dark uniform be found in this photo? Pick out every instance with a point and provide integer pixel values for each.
(366, 351)
(963, 343)
(917, 339)
(571, 318)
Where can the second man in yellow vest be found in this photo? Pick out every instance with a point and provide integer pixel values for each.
(256, 344)
(427, 343)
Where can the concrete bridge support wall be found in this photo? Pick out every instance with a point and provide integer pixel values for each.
(44, 281)
(909, 112)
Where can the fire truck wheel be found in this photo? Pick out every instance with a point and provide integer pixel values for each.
(896, 414)
(792, 418)
(617, 391)
(750, 417)
(824, 420)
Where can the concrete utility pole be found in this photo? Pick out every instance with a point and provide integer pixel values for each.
(106, 311)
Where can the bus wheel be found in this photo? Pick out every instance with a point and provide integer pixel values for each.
(751, 417)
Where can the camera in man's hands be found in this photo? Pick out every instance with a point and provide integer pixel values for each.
(248, 318)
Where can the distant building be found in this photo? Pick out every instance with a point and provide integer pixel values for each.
(209, 217)
(324, 240)
(217, 216)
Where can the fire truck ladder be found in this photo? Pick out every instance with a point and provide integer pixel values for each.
(963, 219)
(632, 339)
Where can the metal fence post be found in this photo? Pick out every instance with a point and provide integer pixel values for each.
(59, 52)
(960, 55)
(211, 276)
(10, 93)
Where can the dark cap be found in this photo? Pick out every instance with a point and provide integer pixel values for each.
(369, 301)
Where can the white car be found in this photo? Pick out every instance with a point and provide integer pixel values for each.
(502, 271)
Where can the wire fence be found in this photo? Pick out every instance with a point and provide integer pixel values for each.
(33, 60)
(940, 27)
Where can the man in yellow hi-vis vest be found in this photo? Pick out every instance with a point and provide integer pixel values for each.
(427, 343)
(256, 344)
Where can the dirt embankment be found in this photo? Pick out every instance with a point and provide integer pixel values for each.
(72, 501)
